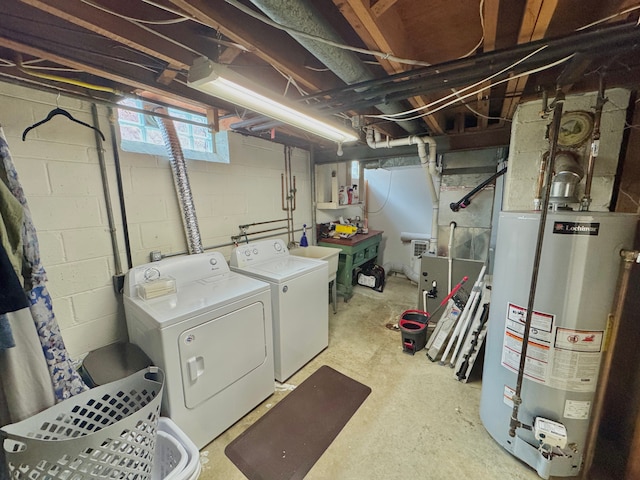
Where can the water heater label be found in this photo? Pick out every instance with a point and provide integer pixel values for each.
(576, 228)
(577, 409)
(537, 365)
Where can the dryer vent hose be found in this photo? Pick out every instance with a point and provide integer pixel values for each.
(181, 182)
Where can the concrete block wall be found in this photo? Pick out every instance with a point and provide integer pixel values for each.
(59, 171)
(528, 144)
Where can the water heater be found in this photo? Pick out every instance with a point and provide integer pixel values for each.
(575, 290)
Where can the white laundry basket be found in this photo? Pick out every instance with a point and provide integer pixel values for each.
(108, 432)
(189, 467)
(169, 459)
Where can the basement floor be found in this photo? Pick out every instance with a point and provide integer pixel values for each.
(418, 422)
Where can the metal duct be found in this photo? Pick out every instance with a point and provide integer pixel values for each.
(345, 64)
(181, 182)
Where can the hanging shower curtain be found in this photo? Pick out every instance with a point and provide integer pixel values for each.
(64, 378)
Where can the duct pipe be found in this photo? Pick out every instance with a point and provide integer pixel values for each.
(181, 182)
(344, 63)
(428, 163)
(408, 236)
(401, 268)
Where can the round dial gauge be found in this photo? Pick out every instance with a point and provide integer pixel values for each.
(575, 128)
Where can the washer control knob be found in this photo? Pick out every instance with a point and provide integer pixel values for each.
(247, 252)
(213, 261)
(255, 251)
(277, 246)
(285, 289)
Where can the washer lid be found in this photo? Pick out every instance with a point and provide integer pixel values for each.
(199, 297)
(283, 269)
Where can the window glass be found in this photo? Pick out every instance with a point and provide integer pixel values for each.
(140, 133)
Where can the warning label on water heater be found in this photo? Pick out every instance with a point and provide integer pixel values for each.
(539, 345)
(558, 357)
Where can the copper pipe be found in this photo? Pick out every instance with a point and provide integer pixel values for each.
(282, 189)
(537, 201)
(628, 258)
(585, 202)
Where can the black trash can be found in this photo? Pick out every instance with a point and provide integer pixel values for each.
(112, 362)
(413, 327)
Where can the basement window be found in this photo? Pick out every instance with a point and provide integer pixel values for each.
(140, 133)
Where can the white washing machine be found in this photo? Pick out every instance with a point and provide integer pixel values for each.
(212, 337)
(299, 293)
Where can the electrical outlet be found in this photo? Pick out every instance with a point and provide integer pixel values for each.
(155, 256)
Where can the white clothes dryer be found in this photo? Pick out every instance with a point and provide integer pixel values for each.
(212, 336)
(299, 300)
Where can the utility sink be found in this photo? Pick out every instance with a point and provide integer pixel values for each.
(322, 253)
(328, 254)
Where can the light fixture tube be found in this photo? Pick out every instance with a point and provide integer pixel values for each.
(224, 83)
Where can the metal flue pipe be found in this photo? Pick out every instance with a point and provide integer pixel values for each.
(181, 182)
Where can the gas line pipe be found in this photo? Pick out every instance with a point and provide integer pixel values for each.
(558, 105)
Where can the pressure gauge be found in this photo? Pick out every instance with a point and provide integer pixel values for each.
(575, 128)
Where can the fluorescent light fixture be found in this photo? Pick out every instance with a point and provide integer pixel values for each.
(224, 83)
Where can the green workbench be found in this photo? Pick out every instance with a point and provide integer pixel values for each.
(355, 251)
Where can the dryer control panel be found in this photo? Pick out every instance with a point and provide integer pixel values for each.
(258, 252)
(183, 269)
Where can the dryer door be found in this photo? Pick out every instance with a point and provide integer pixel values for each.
(217, 353)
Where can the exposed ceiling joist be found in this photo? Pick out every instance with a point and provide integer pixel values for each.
(536, 20)
(271, 45)
(389, 38)
(110, 26)
(147, 47)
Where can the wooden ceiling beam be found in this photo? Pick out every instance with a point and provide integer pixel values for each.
(390, 38)
(273, 46)
(26, 35)
(120, 30)
(381, 6)
(535, 22)
(491, 9)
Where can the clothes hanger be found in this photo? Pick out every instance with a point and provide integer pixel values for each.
(60, 111)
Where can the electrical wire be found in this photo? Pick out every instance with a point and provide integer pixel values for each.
(55, 78)
(488, 117)
(383, 55)
(175, 12)
(384, 203)
(6, 63)
(454, 94)
(529, 72)
(141, 24)
(610, 17)
(136, 20)
(474, 49)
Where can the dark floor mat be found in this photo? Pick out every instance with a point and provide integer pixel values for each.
(288, 440)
